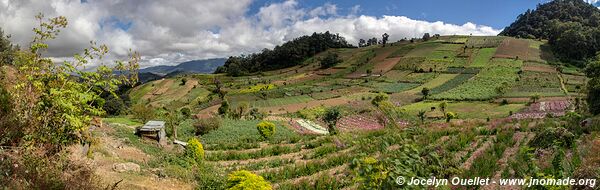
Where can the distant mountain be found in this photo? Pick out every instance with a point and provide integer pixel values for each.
(196, 66)
(193, 67)
(147, 77)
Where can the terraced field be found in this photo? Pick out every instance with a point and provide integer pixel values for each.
(477, 119)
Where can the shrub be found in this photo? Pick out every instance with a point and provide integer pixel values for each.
(504, 102)
(372, 173)
(194, 150)
(245, 180)
(256, 114)
(224, 109)
(203, 126)
(553, 136)
(183, 81)
(266, 129)
(450, 116)
(331, 117)
(425, 92)
(379, 98)
(330, 60)
(186, 112)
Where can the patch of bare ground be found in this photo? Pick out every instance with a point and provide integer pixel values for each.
(164, 86)
(386, 65)
(519, 138)
(469, 162)
(331, 172)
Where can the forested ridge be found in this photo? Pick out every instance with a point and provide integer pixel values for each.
(570, 26)
(289, 54)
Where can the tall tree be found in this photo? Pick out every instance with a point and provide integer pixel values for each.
(362, 43)
(593, 97)
(384, 38)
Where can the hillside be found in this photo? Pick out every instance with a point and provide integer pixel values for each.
(571, 26)
(487, 82)
(490, 68)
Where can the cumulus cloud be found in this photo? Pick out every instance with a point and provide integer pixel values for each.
(167, 33)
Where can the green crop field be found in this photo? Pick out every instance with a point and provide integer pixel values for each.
(394, 87)
(531, 83)
(480, 110)
(272, 102)
(499, 73)
(452, 83)
(434, 83)
(482, 57)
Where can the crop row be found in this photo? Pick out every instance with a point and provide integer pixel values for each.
(452, 83)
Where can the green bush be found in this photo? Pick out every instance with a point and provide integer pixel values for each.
(186, 112)
(379, 98)
(266, 129)
(553, 136)
(194, 150)
(203, 126)
(245, 180)
(450, 116)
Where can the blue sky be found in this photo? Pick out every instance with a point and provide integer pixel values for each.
(494, 13)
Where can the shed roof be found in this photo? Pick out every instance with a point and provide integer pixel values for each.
(156, 125)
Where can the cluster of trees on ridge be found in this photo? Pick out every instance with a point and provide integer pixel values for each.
(289, 54)
(572, 28)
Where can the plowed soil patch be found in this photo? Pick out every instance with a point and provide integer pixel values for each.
(512, 48)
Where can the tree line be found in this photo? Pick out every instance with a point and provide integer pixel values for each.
(289, 54)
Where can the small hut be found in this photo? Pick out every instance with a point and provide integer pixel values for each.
(154, 129)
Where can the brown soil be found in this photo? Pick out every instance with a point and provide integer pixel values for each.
(162, 87)
(386, 65)
(511, 48)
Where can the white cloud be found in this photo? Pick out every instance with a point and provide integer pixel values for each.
(168, 33)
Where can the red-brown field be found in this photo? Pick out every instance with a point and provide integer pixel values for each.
(512, 48)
